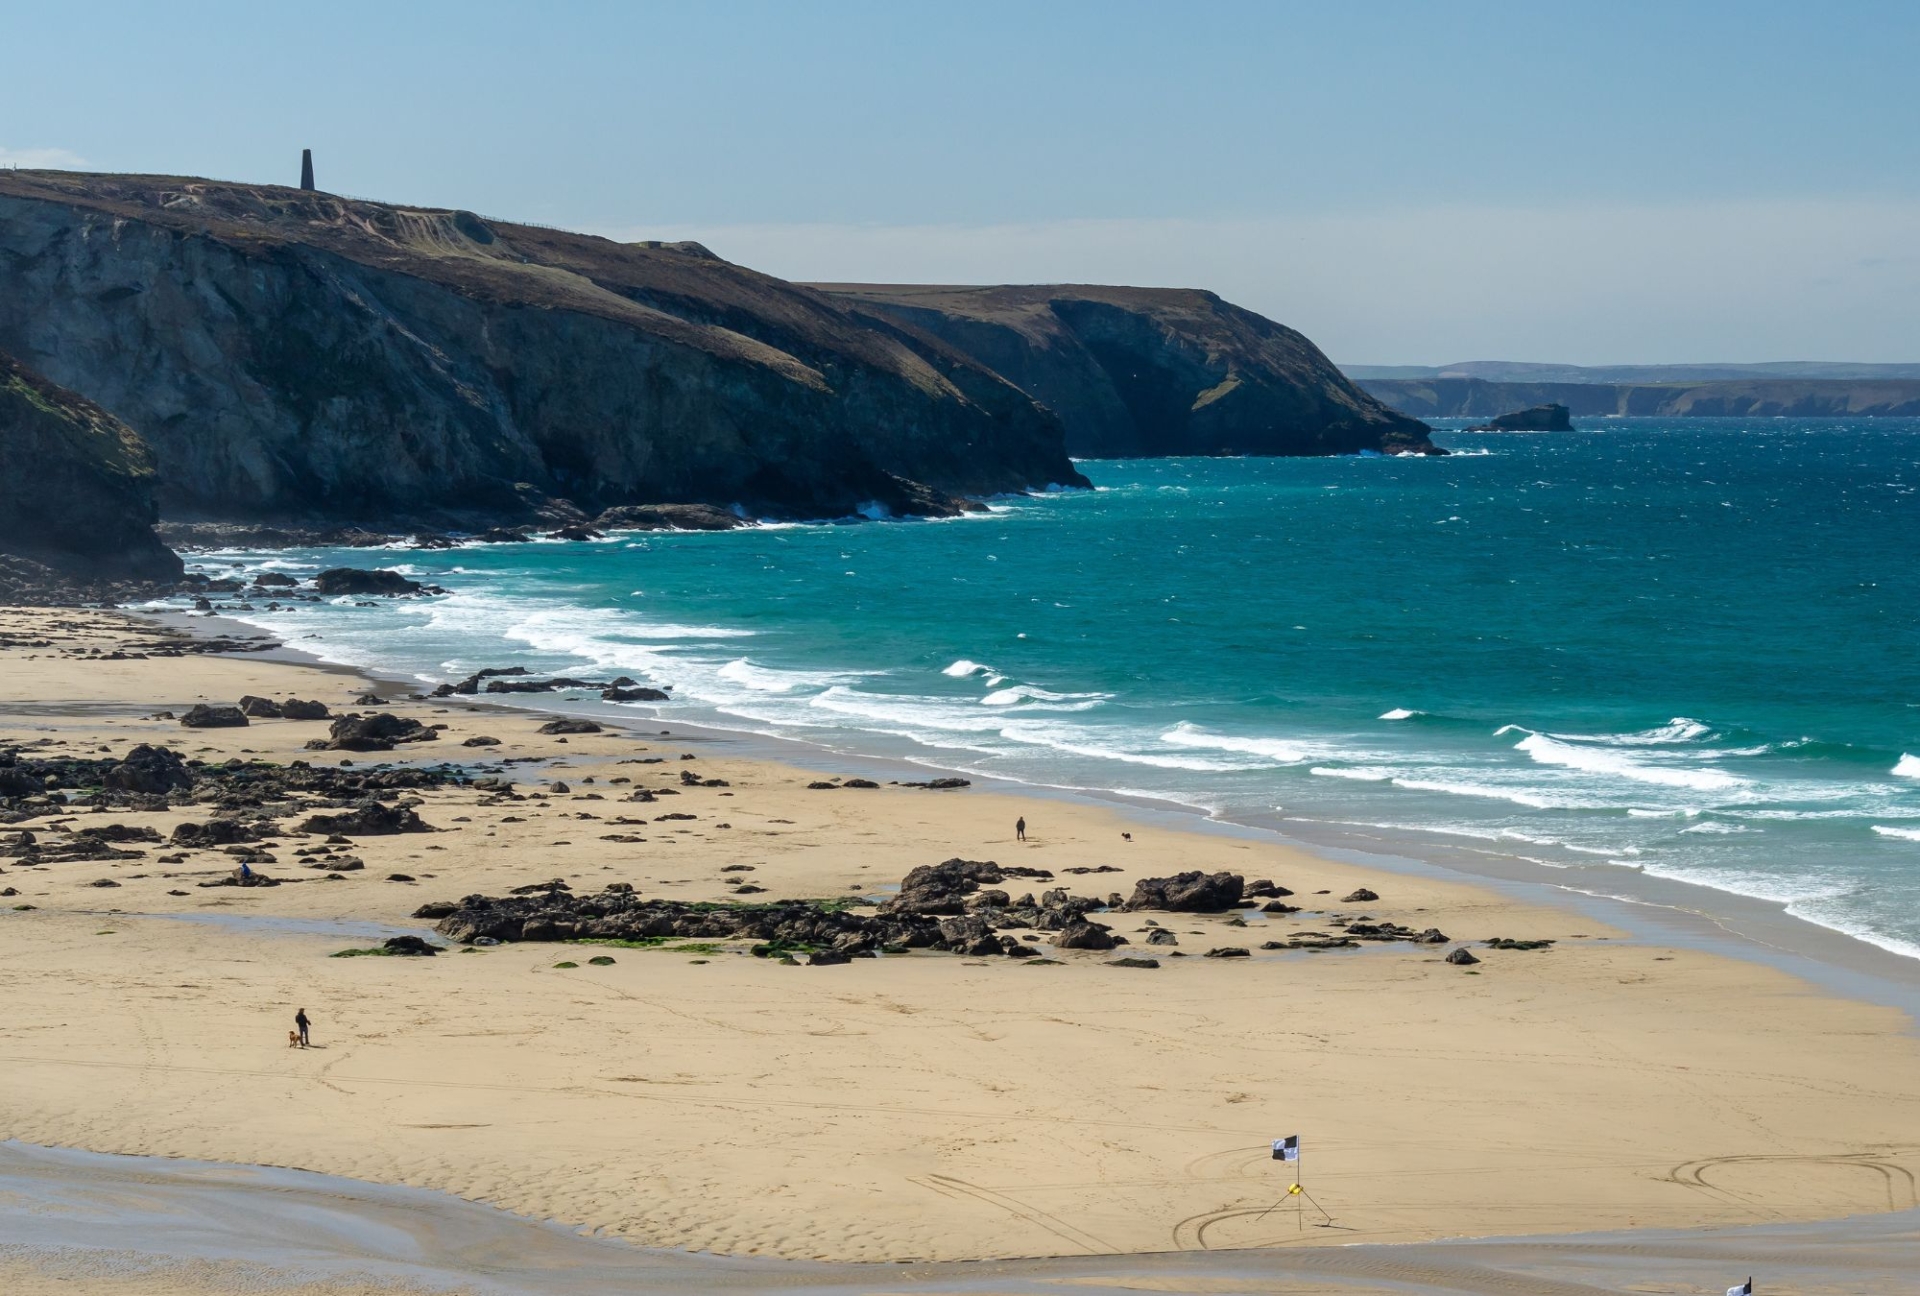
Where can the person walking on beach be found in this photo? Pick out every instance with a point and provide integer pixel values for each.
(1020, 828)
(301, 1023)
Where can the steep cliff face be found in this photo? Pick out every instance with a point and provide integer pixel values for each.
(294, 354)
(1153, 371)
(76, 485)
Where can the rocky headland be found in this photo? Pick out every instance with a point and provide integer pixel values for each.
(294, 355)
(76, 494)
(1143, 372)
(307, 368)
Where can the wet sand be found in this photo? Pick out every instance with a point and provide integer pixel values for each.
(108, 1224)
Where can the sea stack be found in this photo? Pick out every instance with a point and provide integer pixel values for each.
(306, 169)
(1540, 418)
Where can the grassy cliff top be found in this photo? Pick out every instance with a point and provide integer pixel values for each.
(678, 291)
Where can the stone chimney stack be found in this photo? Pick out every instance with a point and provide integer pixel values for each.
(306, 168)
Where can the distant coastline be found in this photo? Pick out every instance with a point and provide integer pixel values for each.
(1456, 396)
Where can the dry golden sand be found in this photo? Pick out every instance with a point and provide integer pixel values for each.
(926, 1106)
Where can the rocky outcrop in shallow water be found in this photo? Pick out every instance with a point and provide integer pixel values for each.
(1550, 417)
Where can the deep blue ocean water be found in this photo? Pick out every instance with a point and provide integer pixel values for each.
(1690, 648)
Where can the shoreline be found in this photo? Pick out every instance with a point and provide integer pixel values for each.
(932, 1107)
(287, 1229)
(1650, 906)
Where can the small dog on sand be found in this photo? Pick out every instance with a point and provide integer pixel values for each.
(293, 1039)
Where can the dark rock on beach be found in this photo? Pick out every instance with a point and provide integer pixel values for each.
(551, 912)
(202, 716)
(1462, 957)
(570, 727)
(152, 771)
(1084, 935)
(368, 819)
(410, 947)
(377, 732)
(1192, 892)
(220, 832)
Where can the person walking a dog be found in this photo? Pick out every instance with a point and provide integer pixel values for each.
(301, 1023)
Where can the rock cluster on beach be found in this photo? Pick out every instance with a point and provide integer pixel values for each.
(956, 906)
(150, 778)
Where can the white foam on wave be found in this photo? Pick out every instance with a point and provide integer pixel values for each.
(1532, 798)
(1358, 773)
(1019, 693)
(767, 679)
(590, 633)
(1781, 888)
(1401, 713)
(1278, 749)
(1677, 730)
(963, 668)
(1549, 751)
(1798, 815)
(1077, 743)
(1908, 766)
(1899, 834)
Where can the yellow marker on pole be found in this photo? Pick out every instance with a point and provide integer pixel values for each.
(1294, 1191)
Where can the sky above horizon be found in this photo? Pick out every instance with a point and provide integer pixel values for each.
(1408, 183)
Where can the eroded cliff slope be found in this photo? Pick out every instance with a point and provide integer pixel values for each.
(76, 487)
(293, 354)
(1153, 371)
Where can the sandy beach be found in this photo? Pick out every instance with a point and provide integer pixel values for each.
(925, 1107)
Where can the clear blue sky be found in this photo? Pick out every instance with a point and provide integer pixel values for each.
(1406, 181)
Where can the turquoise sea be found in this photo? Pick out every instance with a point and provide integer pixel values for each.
(1687, 648)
